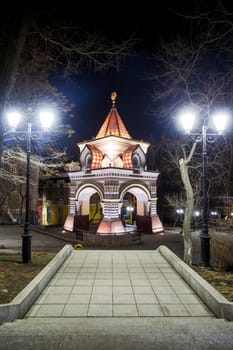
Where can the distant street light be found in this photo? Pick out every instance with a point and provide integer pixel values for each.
(180, 213)
(46, 120)
(220, 120)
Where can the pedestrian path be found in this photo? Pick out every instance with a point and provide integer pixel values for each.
(117, 283)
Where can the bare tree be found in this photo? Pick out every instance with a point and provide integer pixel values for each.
(42, 45)
(196, 71)
(180, 166)
(35, 46)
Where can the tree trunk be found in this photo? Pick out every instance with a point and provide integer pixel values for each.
(188, 212)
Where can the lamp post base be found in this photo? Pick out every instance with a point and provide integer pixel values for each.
(205, 250)
(26, 246)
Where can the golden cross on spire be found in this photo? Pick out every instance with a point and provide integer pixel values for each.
(113, 97)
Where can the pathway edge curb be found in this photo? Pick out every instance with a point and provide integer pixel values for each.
(218, 304)
(18, 307)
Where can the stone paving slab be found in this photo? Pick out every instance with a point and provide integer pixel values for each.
(117, 283)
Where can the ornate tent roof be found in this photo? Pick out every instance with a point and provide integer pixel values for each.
(113, 124)
(113, 138)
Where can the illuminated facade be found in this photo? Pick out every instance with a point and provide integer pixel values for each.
(112, 185)
(53, 205)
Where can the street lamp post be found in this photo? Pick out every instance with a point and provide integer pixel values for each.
(46, 120)
(220, 123)
(26, 236)
(205, 237)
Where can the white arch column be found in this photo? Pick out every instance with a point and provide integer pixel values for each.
(69, 223)
(111, 222)
(156, 225)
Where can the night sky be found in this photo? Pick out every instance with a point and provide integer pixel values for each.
(91, 93)
(91, 96)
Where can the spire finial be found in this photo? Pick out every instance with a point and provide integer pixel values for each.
(113, 97)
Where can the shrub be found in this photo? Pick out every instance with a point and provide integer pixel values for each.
(221, 249)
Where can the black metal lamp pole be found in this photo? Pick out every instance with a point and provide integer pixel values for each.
(26, 236)
(220, 120)
(205, 237)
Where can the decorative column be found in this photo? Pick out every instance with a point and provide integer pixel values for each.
(156, 225)
(111, 222)
(69, 223)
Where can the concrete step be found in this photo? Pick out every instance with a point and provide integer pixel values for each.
(117, 333)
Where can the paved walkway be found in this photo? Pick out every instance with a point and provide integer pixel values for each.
(117, 283)
(117, 299)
